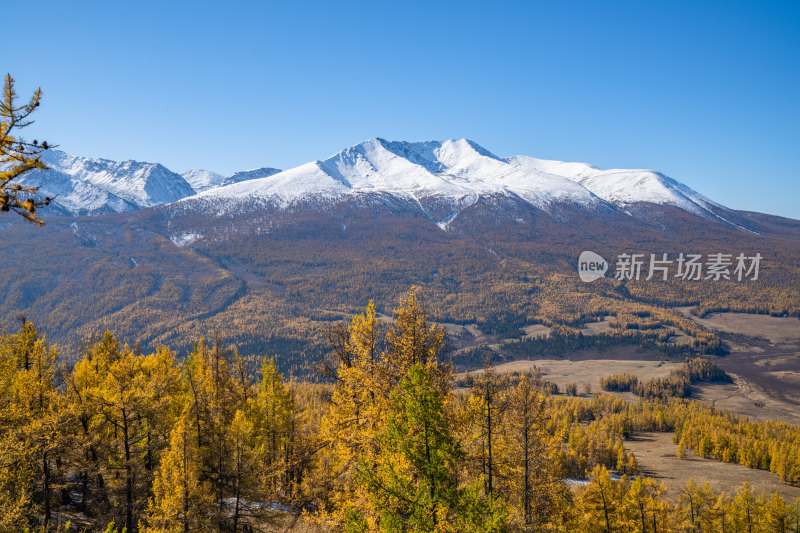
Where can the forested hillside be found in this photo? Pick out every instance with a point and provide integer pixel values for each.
(272, 282)
(153, 442)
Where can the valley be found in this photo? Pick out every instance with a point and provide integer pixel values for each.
(762, 355)
(400, 267)
(265, 265)
(270, 259)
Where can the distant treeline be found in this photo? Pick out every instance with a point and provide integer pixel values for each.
(676, 385)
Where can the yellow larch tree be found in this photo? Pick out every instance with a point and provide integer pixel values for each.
(181, 502)
(30, 427)
(18, 156)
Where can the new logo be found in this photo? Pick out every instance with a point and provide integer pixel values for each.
(591, 266)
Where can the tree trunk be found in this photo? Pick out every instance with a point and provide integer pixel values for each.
(431, 479)
(643, 515)
(238, 495)
(46, 491)
(128, 476)
(489, 441)
(605, 509)
(526, 493)
(185, 487)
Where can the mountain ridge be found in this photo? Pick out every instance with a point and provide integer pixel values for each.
(85, 186)
(453, 175)
(442, 177)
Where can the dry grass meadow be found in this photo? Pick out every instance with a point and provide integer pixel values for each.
(655, 455)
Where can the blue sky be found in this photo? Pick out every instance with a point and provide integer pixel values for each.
(707, 92)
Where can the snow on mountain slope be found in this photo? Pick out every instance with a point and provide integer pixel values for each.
(93, 186)
(281, 189)
(442, 178)
(623, 187)
(201, 180)
(74, 196)
(453, 173)
(246, 175)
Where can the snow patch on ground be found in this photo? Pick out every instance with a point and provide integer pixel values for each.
(185, 239)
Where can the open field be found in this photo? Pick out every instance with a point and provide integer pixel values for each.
(678, 337)
(536, 330)
(744, 398)
(590, 328)
(774, 329)
(562, 371)
(770, 370)
(764, 358)
(595, 328)
(757, 391)
(655, 455)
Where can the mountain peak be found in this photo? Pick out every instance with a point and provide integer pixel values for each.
(450, 175)
(201, 179)
(82, 185)
(442, 177)
(454, 174)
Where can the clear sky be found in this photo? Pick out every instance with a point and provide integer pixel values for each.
(707, 92)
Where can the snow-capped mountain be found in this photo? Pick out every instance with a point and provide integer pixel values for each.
(83, 186)
(458, 171)
(372, 219)
(203, 180)
(444, 178)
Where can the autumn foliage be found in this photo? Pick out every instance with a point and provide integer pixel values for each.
(154, 442)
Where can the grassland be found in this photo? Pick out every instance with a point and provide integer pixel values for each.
(776, 330)
(587, 371)
(655, 455)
